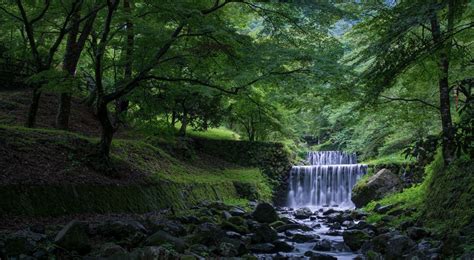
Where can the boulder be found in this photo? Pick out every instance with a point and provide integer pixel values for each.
(73, 237)
(229, 226)
(334, 233)
(262, 248)
(199, 249)
(303, 213)
(467, 256)
(173, 227)
(111, 249)
(161, 237)
(354, 239)
(227, 249)
(120, 229)
(398, 246)
(376, 187)
(302, 238)
(232, 234)
(379, 243)
(329, 211)
(417, 233)
(207, 233)
(322, 245)
(265, 213)
(150, 252)
(294, 226)
(236, 211)
(318, 256)
(282, 246)
(264, 233)
(427, 250)
(18, 243)
(226, 215)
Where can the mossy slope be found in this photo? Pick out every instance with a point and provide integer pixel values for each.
(443, 202)
(49, 172)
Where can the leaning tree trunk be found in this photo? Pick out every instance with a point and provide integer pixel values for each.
(69, 65)
(448, 145)
(74, 47)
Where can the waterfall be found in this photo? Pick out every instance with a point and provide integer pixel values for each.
(327, 181)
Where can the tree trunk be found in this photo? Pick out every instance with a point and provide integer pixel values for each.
(448, 145)
(173, 118)
(32, 111)
(122, 103)
(184, 124)
(64, 111)
(107, 130)
(74, 47)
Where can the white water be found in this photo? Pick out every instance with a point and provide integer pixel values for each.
(327, 181)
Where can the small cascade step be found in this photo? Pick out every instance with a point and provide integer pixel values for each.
(327, 181)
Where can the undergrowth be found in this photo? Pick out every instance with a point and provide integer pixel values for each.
(443, 202)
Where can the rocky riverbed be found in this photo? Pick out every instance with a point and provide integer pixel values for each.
(214, 229)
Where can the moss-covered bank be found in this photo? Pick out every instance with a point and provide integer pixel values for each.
(443, 202)
(49, 172)
(72, 199)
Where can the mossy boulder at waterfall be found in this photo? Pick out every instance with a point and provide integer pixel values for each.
(375, 187)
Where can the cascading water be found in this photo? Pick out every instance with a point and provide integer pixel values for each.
(327, 181)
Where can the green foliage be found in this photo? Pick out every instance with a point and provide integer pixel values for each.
(395, 158)
(442, 202)
(410, 199)
(220, 133)
(450, 195)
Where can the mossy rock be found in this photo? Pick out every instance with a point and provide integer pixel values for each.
(241, 229)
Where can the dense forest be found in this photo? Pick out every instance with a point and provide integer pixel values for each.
(140, 129)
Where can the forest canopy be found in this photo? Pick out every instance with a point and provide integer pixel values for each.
(373, 77)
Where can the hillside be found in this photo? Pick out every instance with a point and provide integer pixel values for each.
(60, 167)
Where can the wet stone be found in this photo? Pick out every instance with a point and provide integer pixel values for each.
(302, 238)
(282, 246)
(322, 245)
(261, 248)
(303, 213)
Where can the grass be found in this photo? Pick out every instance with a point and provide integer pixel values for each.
(395, 158)
(411, 198)
(141, 156)
(161, 166)
(442, 202)
(220, 133)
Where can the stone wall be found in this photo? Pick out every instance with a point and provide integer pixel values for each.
(57, 200)
(272, 158)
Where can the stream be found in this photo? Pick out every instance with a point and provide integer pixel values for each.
(326, 178)
(319, 235)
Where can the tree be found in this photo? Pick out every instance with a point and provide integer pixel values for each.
(398, 43)
(186, 31)
(76, 40)
(43, 38)
(253, 119)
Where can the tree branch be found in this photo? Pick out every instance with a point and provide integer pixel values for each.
(10, 13)
(410, 100)
(43, 12)
(131, 84)
(218, 6)
(232, 91)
